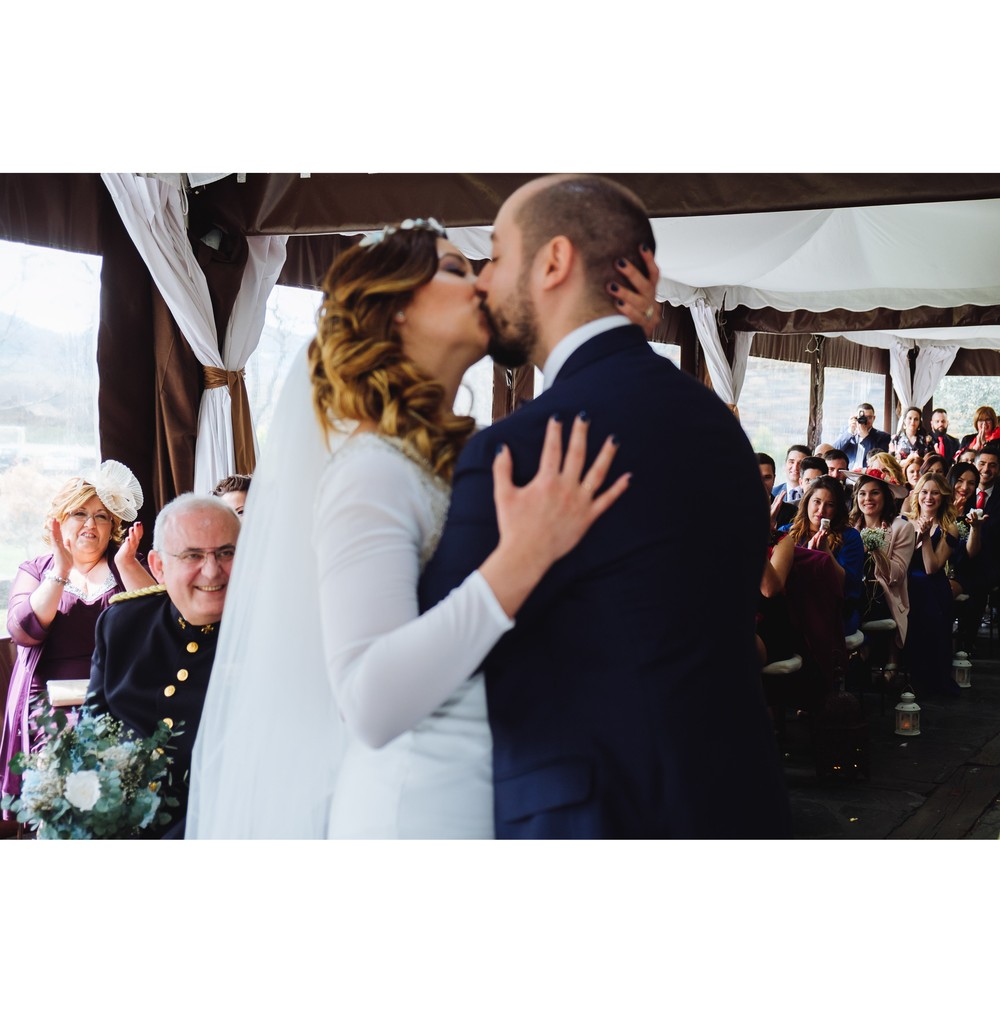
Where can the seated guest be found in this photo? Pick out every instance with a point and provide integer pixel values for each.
(887, 467)
(810, 469)
(875, 509)
(155, 647)
(929, 639)
(943, 444)
(782, 512)
(837, 464)
(911, 437)
(790, 486)
(934, 463)
(985, 423)
(233, 491)
(980, 571)
(825, 501)
(911, 470)
(964, 479)
(56, 598)
(967, 455)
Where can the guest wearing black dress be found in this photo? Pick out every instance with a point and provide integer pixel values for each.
(928, 643)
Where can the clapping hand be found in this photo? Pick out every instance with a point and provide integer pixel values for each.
(62, 556)
(776, 505)
(637, 299)
(125, 555)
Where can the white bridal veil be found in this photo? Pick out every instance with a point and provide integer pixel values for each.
(271, 738)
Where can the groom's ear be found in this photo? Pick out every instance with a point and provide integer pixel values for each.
(555, 262)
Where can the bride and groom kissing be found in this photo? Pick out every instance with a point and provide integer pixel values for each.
(547, 656)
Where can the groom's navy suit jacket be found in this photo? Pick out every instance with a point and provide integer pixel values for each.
(626, 701)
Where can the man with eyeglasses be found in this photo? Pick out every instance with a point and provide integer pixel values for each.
(155, 647)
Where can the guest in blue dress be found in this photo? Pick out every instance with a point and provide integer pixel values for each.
(928, 644)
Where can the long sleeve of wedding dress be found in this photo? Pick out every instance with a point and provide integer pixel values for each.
(378, 517)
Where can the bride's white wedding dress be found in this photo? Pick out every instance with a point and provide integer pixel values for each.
(335, 709)
(419, 762)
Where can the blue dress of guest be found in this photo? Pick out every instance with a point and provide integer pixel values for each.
(928, 639)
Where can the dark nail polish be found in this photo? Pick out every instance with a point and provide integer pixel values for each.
(614, 287)
(583, 416)
(555, 417)
(500, 449)
(620, 302)
(621, 263)
(614, 440)
(644, 248)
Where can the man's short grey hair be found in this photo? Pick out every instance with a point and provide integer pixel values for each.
(186, 503)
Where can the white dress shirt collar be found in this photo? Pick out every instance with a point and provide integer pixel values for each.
(576, 339)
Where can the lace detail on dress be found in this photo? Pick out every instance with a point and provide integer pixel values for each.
(438, 490)
(109, 584)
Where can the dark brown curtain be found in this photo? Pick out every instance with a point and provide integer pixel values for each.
(800, 322)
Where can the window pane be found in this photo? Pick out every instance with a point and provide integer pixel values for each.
(844, 389)
(774, 405)
(49, 312)
(962, 396)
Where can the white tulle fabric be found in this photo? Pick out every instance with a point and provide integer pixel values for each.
(335, 708)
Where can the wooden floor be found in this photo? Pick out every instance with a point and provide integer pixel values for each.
(944, 784)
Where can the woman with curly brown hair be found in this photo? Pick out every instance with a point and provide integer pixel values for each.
(386, 712)
(56, 598)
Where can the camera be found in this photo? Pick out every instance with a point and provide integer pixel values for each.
(862, 419)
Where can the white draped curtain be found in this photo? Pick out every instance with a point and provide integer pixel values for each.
(152, 213)
(726, 381)
(931, 367)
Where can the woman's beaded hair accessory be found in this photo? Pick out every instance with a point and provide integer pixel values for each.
(425, 224)
(118, 490)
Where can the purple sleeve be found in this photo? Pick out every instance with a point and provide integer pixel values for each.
(22, 622)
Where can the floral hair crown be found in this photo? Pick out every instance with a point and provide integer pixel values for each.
(424, 224)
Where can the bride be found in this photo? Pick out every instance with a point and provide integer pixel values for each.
(335, 709)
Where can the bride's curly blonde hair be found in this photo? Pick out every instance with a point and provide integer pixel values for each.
(356, 361)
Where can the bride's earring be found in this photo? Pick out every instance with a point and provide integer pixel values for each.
(400, 316)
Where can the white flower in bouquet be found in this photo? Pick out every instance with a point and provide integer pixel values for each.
(92, 778)
(963, 530)
(83, 789)
(873, 538)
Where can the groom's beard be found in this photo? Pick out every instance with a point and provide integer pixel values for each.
(512, 333)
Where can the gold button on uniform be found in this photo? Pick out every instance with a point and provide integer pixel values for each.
(192, 647)
(169, 690)
(182, 675)
(169, 722)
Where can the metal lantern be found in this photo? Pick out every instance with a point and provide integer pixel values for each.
(961, 670)
(907, 716)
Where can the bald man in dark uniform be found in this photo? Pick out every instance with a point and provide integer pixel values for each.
(155, 647)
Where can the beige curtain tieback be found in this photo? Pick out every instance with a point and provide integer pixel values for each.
(242, 422)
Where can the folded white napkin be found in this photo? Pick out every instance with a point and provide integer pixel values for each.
(67, 693)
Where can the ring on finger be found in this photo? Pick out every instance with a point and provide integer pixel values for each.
(650, 312)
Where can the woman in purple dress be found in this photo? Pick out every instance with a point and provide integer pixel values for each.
(56, 598)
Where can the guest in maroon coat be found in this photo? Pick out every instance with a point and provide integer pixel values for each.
(56, 598)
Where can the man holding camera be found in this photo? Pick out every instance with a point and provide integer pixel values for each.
(864, 439)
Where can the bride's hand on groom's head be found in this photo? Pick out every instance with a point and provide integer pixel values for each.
(549, 515)
(636, 298)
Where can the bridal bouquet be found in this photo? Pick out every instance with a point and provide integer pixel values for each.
(92, 779)
(873, 539)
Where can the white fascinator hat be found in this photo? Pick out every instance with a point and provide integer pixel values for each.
(118, 489)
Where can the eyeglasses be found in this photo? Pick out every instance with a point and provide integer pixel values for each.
(223, 556)
(81, 516)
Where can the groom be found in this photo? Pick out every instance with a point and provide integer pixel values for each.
(626, 702)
